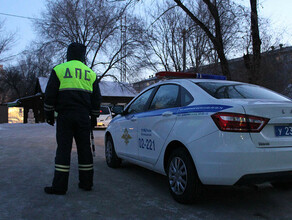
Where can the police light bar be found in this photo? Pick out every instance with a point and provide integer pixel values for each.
(166, 74)
(209, 76)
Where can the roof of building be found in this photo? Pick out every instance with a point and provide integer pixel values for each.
(110, 88)
(43, 81)
(107, 88)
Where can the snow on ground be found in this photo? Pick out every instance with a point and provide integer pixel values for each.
(6, 126)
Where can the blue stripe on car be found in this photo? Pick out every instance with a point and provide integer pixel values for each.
(204, 108)
(177, 110)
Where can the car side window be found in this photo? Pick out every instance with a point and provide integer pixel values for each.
(186, 97)
(165, 97)
(139, 104)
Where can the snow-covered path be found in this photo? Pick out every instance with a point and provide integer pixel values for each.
(27, 154)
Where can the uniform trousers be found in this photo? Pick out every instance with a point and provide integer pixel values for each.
(71, 125)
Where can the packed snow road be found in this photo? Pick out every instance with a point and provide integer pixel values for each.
(27, 164)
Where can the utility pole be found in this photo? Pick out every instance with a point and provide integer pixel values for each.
(123, 54)
(184, 49)
(123, 39)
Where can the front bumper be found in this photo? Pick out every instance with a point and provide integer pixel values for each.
(103, 124)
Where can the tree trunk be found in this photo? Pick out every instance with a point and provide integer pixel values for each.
(256, 43)
(216, 40)
(224, 63)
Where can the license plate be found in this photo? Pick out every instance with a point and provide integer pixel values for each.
(283, 131)
(100, 124)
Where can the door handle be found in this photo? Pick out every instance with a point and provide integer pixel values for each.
(167, 113)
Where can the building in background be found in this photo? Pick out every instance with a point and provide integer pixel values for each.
(276, 71)
(113, 94)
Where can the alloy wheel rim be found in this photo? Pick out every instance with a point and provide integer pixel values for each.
(177, 176)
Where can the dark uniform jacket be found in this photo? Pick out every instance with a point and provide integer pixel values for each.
(73, 86)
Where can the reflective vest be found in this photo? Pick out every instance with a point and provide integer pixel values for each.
(75, 75)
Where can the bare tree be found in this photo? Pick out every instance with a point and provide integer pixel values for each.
(216, 37)
(172, 41)
(4, 89)
(6, 41)
(256, 27)
(20, 80)
(165, 39)
(95, 23)
(253, 62)
(166, 35)
(37, 59)
(256, 41)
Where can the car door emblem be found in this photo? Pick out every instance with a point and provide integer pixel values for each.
(126, 136)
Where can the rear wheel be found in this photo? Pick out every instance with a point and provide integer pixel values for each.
(183, 181)
(111, 157)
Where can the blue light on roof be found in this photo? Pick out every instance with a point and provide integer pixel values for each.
(208, 76)
(172, 75)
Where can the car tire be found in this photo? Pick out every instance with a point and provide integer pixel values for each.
(282, 185)
(183, 181)
(111, 157)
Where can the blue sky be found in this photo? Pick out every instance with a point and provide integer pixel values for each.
(278, 11)
(22, 27)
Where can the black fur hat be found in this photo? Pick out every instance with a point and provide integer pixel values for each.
(76, 51)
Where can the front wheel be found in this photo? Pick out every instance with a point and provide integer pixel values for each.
(111, 157)
(183, 181)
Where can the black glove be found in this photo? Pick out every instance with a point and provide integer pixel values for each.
(93, 121)
(50, 117)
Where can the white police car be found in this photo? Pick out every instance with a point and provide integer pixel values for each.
(202, 131)
(104, 118)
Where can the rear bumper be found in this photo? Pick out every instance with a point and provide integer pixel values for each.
(265, 177)
(230, 158)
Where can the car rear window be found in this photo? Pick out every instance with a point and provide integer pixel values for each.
(239, 91)
(104, 110)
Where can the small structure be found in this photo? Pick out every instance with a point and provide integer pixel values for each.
(113, 93)
(116, 93)
(34, 102)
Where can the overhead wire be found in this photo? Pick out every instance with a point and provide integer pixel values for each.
(20, 16)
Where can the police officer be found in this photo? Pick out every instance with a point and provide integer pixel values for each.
(73, 92)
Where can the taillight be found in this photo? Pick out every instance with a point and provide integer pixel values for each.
(234, 122)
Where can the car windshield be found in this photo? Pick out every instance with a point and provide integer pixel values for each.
(221, 90)
(104, 110)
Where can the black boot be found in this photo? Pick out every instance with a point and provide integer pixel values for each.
(51, 190)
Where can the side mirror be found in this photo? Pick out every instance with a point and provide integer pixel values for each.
(123, 113)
